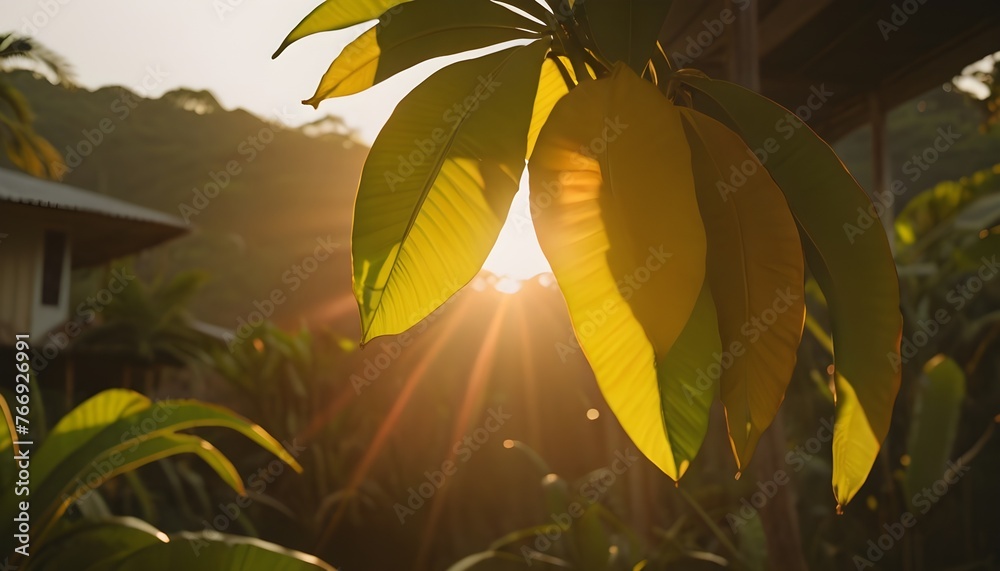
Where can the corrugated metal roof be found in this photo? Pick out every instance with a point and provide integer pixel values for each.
(21, 188)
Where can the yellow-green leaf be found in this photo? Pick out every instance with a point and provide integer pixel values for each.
(437, 186)
(337, 15)
(755, 269)
(417, 32)
(934, 424)
(684, 400)
(625, 240)
(626, 30)
(854, 268)
(551, 88)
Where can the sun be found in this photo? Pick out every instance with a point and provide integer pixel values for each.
(516, 256)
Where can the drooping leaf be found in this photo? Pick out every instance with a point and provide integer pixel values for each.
(119, 430)
(339, 14)
(626, 30)
(210, 550)
(756, 273)
(437, 186)
(685, 399)
(934, 424)
(95, 544)
(625, 241)
(123, 544)
(417, 32)
(854, 268)
(551, 88)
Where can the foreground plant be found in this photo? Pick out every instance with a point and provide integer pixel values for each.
(111, 434)
(678, 213)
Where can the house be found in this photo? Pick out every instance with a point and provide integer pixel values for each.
(48, 229)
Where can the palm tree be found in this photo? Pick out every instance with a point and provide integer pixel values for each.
(148, 327)
(27, 149)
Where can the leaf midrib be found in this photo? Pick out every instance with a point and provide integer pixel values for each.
(432, 175)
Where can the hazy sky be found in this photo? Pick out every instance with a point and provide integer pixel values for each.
(196, 44)
(225, 46)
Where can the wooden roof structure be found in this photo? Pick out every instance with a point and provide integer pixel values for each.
(103, 228)
(866, 52)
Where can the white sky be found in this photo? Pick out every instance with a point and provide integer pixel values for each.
(167, 44)
(196, 45)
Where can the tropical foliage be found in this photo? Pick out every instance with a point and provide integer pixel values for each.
(25, 148)
(111, 434)
(680, 214)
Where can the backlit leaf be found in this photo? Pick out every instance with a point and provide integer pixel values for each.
(626, 30)
(936, 412)
(755, 269)
(625, 241)
(854, 268)
(417, 32)
(437, 186)
(551, 88)
(337, 15)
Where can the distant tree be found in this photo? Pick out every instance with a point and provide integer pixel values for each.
(985, 73)
(27, 149)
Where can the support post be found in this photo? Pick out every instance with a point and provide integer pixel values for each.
(779, 517)
(880, 167)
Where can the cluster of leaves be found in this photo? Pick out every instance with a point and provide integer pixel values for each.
(115, 433)
(26, 149)
(674, 214)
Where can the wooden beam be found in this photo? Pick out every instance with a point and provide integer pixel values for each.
(880, 164)
(786, 19)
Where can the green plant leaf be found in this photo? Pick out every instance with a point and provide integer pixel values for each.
(551, 88)
(8, 466)
(934, 424)
(420, 31)
(624, 237)
(210, 550)
(119, 430)
(338, 14)
(685, 403)
(98, 544)
(756, 273)
(437, 186)
(853, 267)
(626, 30)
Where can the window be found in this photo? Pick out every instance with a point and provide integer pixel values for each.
(52, 266)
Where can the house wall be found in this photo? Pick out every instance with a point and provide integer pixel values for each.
(21, 250)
